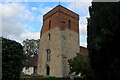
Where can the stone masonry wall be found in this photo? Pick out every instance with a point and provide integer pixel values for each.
(63, 43)
(63, 46)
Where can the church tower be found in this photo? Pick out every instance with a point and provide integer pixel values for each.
(59, 42)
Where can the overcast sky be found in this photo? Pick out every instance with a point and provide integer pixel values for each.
(23, 20)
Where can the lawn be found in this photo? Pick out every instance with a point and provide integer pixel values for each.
(32, 77)
(49, 78)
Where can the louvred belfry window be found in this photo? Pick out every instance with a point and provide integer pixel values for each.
(69, 24)
(49, 24)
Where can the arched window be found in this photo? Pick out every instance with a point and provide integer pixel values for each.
(49, 24)
(69, 24)
(49, 36)
(48, 52)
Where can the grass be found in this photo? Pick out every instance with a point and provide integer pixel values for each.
(49, 78)
(53, 78)
(34, 77)
(28, 77)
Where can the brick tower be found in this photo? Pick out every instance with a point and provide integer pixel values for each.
(59, 42)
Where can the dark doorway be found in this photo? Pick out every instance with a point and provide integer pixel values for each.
(47, 70)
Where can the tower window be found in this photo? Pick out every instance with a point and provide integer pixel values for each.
(69, 24)
(49, 24)
(49, 36)
(48, 52)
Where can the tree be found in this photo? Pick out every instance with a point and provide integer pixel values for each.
(80, 65)
(12, 59)
(103, 42)
(31, 47)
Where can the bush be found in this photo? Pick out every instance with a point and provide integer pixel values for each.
(12, 59)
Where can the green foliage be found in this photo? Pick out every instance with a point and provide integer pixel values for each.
(80, 64)
(0, 58)
(103, 40)
(31, 47)
(12, 59)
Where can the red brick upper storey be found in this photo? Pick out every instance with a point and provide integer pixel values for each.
(61, 18)
(62, 9)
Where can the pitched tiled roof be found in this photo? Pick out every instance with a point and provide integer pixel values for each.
(32, 61)
(83, 50)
